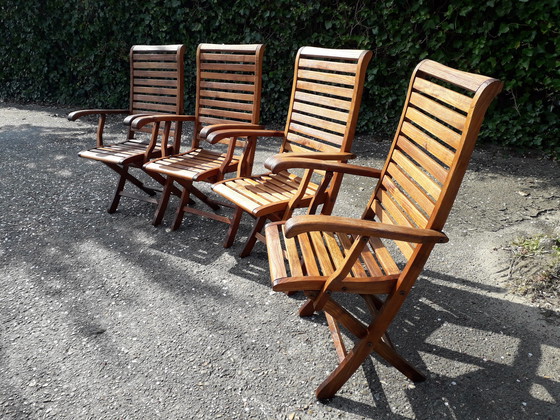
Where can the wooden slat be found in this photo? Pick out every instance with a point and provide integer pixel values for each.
(422, 139)
(326, 77)
(205, 93)
(321, 253)
(321, 111)
(310, 144)
(331, 138)
(317, 122)
(427, 163)
(411, 188)
(154, 65)
(156, 90)
(204, 84)
(340, 91)
(154, 57)
(383, 256)
(308, 255)
(397, 214)
(156, 74)
(228, 67)
(441, 112)
(427, 183)
(226, 104)
(155, 82)
(323, 100)
(328, 65)
(440, 131)
(275, 255)
(155, 98)
(450, 97)
(228, 114)
(236, 58)
(347, 242)
(328, 53)
(409, 207)
(293, 256)
(463, 79)
(227, 76)
(142, 106)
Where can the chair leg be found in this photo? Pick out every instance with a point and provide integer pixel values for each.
(120, 187)
(180, 210)
(344, 370)
(163, 201)
(259, 224)
(233, 226)
(307, 309)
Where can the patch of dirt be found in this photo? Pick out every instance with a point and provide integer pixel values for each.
(534, 270)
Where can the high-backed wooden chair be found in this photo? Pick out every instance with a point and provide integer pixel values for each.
(323, 255)
(322, 117)
(156, 87)
(228, 94)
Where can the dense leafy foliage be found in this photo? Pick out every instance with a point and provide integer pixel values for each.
(76, 52)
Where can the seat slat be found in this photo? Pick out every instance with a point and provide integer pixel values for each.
(346, 241)
(293, 256)
(306, 249)
(276, 257)
(321, 253)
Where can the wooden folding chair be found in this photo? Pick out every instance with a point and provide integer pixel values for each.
(324, 255)
(156, 87)
(228, 94)
(322, 117)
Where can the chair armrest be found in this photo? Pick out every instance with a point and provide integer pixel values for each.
(215, 127)
(84, 112)
(129, 119)
(307, 223)
(216, 136)
(284, 161)
(144, 120)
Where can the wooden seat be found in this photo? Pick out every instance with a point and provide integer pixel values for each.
(324, 255)
(228, 94)
(156, 87)
(321, 121)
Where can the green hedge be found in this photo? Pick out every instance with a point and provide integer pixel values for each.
(76, 52)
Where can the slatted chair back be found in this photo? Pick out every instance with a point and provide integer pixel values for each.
(320, 255)
(156, 81)
(436, 134)
(323, 112)
(228, 88)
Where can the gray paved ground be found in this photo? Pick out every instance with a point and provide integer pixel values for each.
(105, 316)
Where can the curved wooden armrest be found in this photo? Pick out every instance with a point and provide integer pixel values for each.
(142, 121)
(128, 120)
(282, 162)
(82, 113)
(307, 223)
(215, 127)
(216, 136)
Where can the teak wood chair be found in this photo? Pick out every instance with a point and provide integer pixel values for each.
(228, 94)
(156, 87)
(321, 121)
(325, 255)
